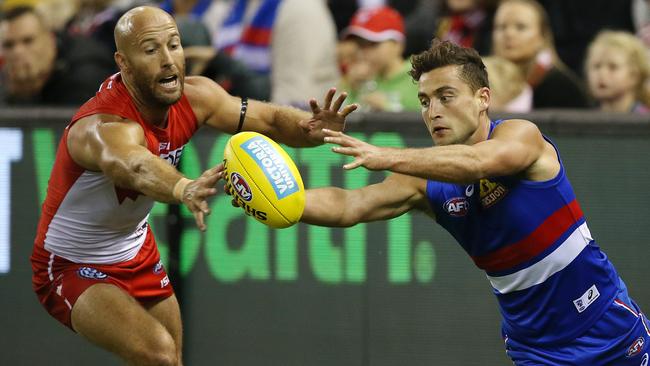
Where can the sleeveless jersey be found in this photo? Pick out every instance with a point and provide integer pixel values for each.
(85, 218)
(551, 280)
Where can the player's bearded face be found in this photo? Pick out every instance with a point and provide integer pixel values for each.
(158, 68)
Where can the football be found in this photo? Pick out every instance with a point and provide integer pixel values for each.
(264, 180)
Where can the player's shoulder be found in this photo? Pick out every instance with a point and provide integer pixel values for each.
(204, 96)
(198, 87)
(517, 127)
(516, 123)
(87, 127)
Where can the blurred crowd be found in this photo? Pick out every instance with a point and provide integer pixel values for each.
(539, 53)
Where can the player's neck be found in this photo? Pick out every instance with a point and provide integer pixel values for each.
(153, 114)
(482, 132)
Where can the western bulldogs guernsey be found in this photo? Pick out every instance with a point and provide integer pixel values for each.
(551, 279)
(85, 217)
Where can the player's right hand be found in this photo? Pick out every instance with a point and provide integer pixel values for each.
(197, 192)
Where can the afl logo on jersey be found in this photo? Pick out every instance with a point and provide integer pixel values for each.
(158, 267)
(636, 347)
(91, 273)
(457, 206)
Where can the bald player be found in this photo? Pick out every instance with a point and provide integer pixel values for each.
(96, 266)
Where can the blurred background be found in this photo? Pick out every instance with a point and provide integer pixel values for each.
(391, 293)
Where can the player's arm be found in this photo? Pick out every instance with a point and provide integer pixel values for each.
(216, 108)
(516, 147)
(337, 207)
(117, 148)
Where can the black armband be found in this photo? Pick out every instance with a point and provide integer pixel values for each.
(242, 113)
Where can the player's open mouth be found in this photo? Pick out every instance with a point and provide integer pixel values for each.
(439, 129)
(169, 82)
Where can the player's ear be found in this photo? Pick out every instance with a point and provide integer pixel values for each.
(120, 61)
(484, 98)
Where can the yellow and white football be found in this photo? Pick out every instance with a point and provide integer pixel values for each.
(264, 180)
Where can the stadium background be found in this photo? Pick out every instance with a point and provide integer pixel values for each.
(390, 293)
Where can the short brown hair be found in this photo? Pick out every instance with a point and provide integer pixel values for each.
(445, 53)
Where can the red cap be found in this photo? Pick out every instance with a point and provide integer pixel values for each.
(376, 24)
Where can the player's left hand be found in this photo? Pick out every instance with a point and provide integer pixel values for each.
(331, 116)
(369, 156)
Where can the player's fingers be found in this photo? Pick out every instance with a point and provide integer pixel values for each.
(329, 132)
(355, 164)
(198, 217)
(212, 179)
(328, 98)
(204, 208)
(339, 101)
(345, 150)
(207, 192)
(219, 167)
(349, 109)
(313, 104)
(234, 202)
(342, 140)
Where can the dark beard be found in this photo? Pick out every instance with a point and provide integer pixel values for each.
(153, 100)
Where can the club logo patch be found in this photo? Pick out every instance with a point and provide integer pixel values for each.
(636, 347)
(241, 186)
(158, 267)
(91, 273)
(457, 206)
(491, 192)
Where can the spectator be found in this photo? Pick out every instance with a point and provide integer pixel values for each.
(575, 23)
(41, 68)
(232, 75)
(467, 23)
(419, 27)
(57, 13)
(193, 18)
(294, 41)
(191, 8)
(522, 35)
(509, 91)
(618, 69)
(417, 14)
(96, 19)
(378, 79)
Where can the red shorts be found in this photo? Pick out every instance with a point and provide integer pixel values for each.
(58, 283)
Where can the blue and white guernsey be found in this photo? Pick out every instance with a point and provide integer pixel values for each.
(551, 279)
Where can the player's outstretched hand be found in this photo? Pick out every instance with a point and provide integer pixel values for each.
(369, 156)
(330, 116)
(197, 192)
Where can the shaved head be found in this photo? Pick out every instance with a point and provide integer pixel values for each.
(150, 56)
(138, 18)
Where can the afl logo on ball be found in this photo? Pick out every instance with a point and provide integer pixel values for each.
(91, 273)
(457, 206)
(239, 184)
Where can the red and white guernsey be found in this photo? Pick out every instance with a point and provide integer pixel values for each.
(86, 218)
